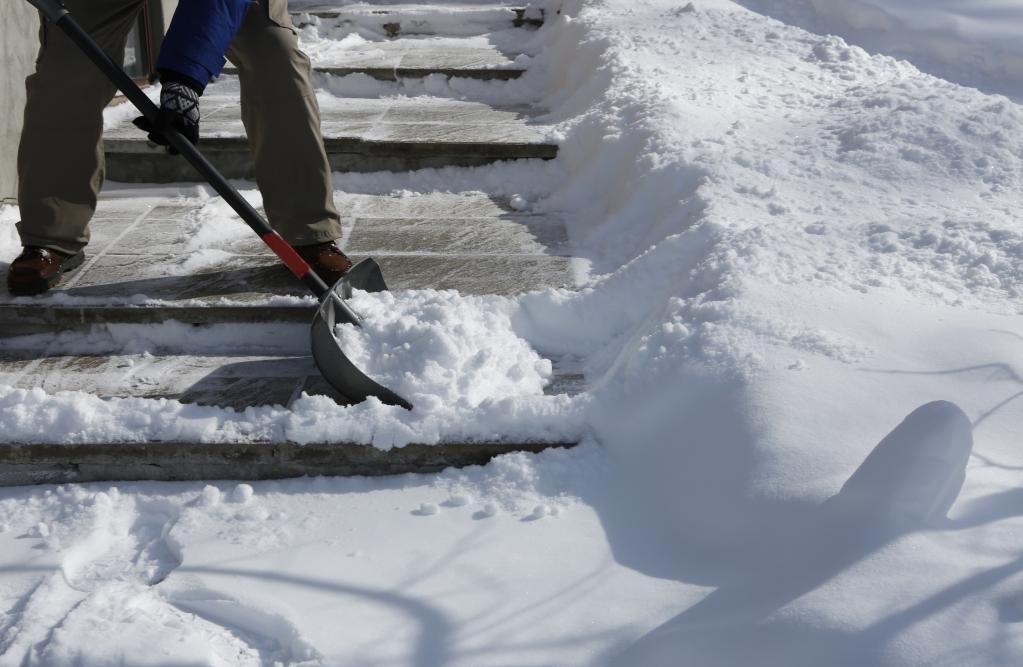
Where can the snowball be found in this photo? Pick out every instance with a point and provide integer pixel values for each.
(540, 511)
(210, 496)
(490, 509)
(519, 203)
(242, 493)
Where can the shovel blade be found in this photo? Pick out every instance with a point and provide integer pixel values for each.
(365, 276)
(335, 366)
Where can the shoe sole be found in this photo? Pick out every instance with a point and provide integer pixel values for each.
(46, 284)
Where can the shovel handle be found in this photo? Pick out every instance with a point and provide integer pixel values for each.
(62, 18)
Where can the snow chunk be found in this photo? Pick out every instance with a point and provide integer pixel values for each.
(541, 511)
(427, 509)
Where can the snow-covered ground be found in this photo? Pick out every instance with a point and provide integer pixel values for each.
(795, 248)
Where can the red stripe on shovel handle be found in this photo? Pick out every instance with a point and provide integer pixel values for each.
(287, 254)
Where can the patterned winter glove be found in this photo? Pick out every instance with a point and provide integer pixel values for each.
(179, 109)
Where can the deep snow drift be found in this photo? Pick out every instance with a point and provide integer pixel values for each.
(801, 254)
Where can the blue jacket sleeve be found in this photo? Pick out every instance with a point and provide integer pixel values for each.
(200, 34)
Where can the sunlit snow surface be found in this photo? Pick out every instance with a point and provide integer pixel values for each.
(972, 42)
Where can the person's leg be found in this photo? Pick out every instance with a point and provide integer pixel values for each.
(282, 120)
(60, 158)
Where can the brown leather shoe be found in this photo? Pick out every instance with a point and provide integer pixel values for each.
(327, 261)
(37, 270)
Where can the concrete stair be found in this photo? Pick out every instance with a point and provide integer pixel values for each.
(246, 377)
(472, 58)
(361, 135)
(22, 465)
(141, 272)
(368, 135)
(238, 381)
(143, 269)
(411, 19)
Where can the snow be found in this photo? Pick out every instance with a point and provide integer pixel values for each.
(34, 416)
(440, 348)
(350, 572)
(800, 333)
(10, 245)
(119, 113)
(972, 42)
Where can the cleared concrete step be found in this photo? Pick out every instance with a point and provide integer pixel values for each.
(470, 57)
(419, 19)
(360, 135)
(143, 266)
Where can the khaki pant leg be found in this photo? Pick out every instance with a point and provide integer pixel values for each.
(282, 120)
(60, 158)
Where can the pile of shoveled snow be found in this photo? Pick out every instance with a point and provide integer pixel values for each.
(442, 349)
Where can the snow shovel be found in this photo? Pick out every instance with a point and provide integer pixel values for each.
(334, 365)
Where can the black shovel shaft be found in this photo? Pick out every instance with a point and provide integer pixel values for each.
(63, 19)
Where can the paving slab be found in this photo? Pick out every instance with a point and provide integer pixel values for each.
(400, 134)
(474, 58)
(141, 267)
(418, 19)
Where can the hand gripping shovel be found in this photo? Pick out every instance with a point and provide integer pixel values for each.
(334, 365)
